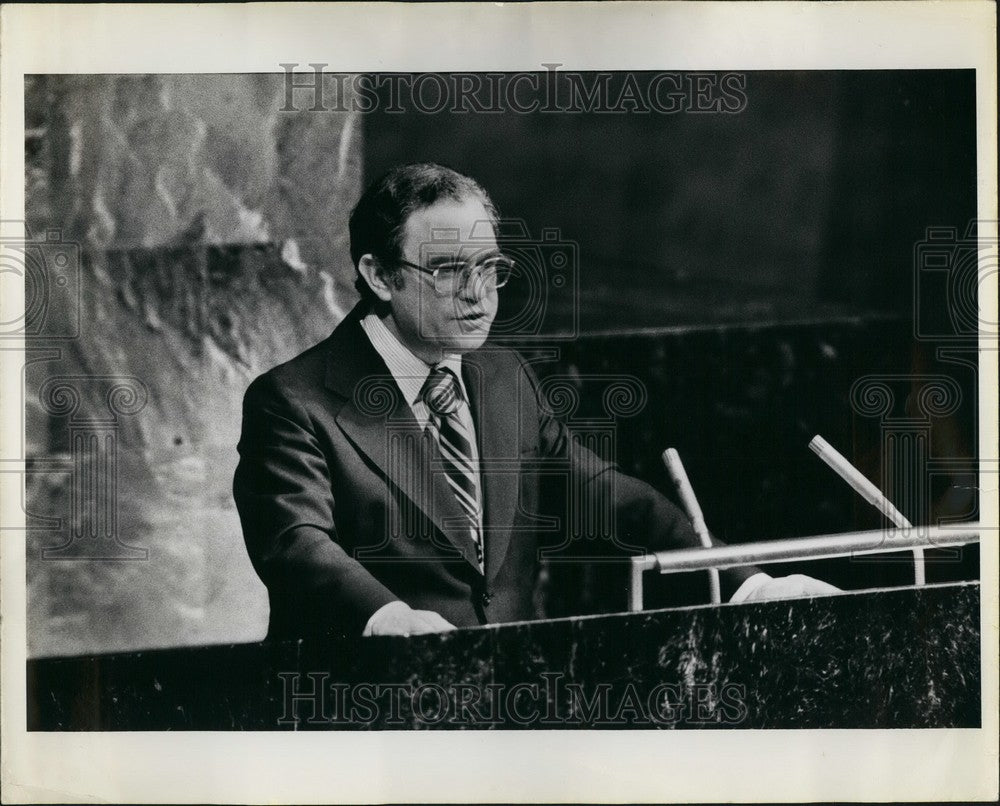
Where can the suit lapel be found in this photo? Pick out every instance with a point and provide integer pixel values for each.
(493, 402)
(382, 426)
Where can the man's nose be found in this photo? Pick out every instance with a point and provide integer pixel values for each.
(477, 289)
(473, 292)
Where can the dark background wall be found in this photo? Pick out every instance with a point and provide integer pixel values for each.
(213, 245)
(806, 202)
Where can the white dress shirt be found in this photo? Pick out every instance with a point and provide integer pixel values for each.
(410, 373)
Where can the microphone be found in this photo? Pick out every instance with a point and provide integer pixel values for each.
(675, 468)
(872, 494)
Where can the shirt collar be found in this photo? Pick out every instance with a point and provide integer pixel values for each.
(409, 371)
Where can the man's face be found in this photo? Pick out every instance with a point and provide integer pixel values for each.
(437, 317)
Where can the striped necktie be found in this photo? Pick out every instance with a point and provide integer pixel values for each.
(444, 397)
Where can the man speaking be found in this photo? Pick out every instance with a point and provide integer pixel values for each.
(392, 478)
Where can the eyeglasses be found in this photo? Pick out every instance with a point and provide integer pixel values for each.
(454, 278)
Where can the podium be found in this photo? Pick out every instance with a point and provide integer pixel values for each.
(898, 658)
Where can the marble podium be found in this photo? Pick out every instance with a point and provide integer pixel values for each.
(899, 658)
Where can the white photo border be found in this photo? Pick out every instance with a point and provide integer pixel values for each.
(774, 766)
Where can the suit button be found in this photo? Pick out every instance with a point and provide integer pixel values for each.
(486, 599)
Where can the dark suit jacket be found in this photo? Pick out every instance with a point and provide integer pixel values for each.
(344, 506)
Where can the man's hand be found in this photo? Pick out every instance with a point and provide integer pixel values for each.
(794, 586)
(398, 618)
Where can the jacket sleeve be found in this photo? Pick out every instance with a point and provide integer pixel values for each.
(286, 505)
(644, 519)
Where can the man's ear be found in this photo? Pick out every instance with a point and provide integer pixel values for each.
(369, 268)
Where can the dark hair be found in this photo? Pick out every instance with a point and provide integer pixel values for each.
(380, 215)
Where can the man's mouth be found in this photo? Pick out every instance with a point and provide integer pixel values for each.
(472, 317)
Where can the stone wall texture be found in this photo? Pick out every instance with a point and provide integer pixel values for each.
(212, 244)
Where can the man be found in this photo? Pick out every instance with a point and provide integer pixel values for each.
(391, 478)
